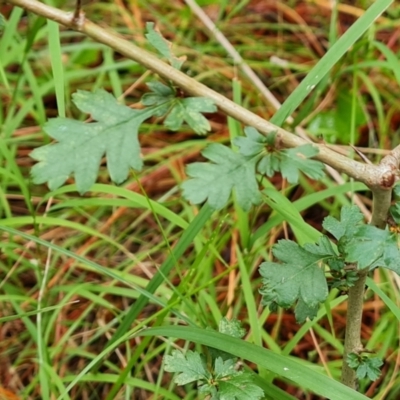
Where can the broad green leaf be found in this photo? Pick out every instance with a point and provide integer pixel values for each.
(289, 162)
(350, 220)
(160, 94)
(190, 367)
(189, 110)
(298, 159)
(163, 46)
(80, 146)
(299, 277)
(364, 366)
(234, 385)
(215, 181)
(372, 247)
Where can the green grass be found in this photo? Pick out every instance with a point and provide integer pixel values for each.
(82, 278)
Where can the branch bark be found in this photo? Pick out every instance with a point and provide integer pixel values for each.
(380, 210)
(371, 175)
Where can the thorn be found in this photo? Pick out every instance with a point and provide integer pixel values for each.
(363, 157)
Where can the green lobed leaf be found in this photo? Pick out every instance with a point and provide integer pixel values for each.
(372, 247)
(215, 181)
(239, 387)
(163, 46)
(289, 162)
(81, 146)
(298, 159)
(350, 220)
(298, 279)
(253, 143)
(159, 94)
(190, 367)
(365, 367)
(189, 110)
(231, 327)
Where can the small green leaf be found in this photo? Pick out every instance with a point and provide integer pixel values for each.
(81, 146)
(231, 327)
(350, 220)
(215, 182)
(240, 387)
(365, 367)
(298, 159)
(159, 94)
(299, 277)
(289, 162)
(253, 143)
(190, 367)
(366, 246)
(189, 110)
(163, 46)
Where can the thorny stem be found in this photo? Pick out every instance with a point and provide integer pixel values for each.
(371, 175)
(352, 344)
(380, 178)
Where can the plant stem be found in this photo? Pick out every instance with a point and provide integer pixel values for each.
(352, 342)
(366, 173)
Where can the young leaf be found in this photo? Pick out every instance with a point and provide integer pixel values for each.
(189, 110)
(81, 146)
(229, 384)
(298, 159)
(372, 247)
(253, 143)
(163, 46)
(365, 366)
(299, 279)
(231, 327)
(350, 220)
(214, 182)
(370, 367)
(235, 385)
(159, 94)
(190, 368)
(289, 162)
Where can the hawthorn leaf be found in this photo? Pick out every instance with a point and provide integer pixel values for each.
(215, 181)
(365, 366)
(373, 247)
(366, 246)
(189, 367)
(298, 159)
(350, 220)
(239, 387)
(303, 311)
(163, 46)
(231, 327)
(80, 146)
(299, 277)
(323, 247)
(159, 94)
(189, 110)
(253, 143)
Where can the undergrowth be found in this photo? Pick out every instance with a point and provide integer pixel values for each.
(72, 266)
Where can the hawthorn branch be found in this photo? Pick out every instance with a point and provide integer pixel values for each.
(380, 210)
(371, 175)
